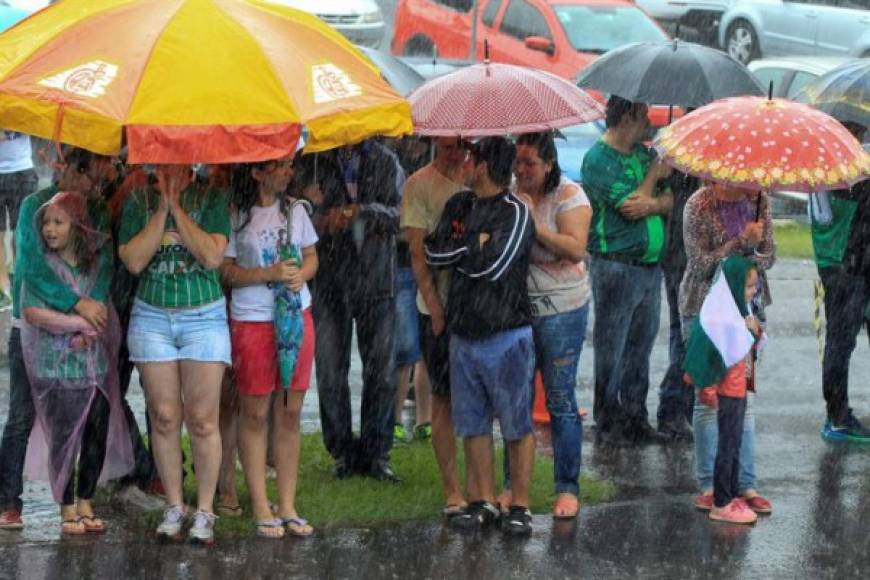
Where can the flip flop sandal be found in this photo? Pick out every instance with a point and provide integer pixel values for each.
(230, 511)
(66, 527)
(265, 529)
(93, 524)
(452, 510)
(297, 522)
(566, 507)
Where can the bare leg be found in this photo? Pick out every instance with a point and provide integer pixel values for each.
(201, 385)
(422, 394)
(229, 429)
(287, 444)
(478, 463)
(403, 380)
(162, 385)
(4, 268)
(522, 454)
(252, 447)
(444, 445)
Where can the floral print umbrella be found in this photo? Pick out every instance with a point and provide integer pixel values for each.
(764, 144)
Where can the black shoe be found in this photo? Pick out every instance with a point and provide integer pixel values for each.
(478, 515)
(642, 433)
(342, 469)
(382, 471)
(517, 522)
(677, 429)
(612, 438)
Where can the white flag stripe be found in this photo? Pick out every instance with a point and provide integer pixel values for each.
(723, 324)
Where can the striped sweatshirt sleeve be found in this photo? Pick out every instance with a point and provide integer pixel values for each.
(509, 229)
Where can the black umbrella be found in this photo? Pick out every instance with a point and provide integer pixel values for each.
(669, 73)
(843, 92)
(398, 74)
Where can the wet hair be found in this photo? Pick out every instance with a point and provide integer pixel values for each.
(546, 147)
(74, 206)
(246, 190)
(617, 108)
(499, 155)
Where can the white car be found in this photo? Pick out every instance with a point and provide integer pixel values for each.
(361, 21)
(790, 75)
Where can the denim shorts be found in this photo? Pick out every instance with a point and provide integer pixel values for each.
(170, 334)
(407, 329)
(492, 378)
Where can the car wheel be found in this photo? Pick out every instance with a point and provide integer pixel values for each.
(742, 41)
(420, 45)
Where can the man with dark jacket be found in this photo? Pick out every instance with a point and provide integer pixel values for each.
(841, 241)
(357, 221)
(485, 236)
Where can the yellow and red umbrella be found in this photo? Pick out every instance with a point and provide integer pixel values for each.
(209, 81)
(764, 144)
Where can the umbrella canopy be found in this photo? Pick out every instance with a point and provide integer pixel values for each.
(395, 71)
(497, 99)
(669, 73)
(764, 144)
(209, 81)
(843, 93)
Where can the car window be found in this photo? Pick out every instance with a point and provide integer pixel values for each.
(800, 80)
(523, 20)
(777, 75)
(490, 12)
(597, 29)
(458, 5)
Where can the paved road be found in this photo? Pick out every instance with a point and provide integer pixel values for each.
(821, 497)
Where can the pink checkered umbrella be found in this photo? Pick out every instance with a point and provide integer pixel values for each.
(498, 99)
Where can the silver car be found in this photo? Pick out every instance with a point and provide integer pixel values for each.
(361, 21)
(753, 29)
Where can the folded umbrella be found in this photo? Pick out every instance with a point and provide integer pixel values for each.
(669, 73)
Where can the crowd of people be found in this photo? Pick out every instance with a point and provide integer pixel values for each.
(462, 267)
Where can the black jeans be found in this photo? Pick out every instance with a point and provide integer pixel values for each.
(375, 327)
(92, 453)
(845, 300)
(726, 471)
(675, 397)
(19, 423)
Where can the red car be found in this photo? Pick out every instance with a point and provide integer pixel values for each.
(560, 36)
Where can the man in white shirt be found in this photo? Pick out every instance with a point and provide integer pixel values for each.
(17, 181)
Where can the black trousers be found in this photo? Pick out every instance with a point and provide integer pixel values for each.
(726, 471)
(92, 454)
(845, 300)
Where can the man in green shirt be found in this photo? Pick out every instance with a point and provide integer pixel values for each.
(621, 177)
(83, 172)
(840, 241)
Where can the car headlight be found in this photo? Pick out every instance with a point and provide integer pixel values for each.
(372, 17)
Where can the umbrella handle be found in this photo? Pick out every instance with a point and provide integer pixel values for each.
(758, 206)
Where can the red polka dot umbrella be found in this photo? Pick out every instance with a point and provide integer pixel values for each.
(499, 99)
(764, 144)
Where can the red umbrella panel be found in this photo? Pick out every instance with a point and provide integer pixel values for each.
(499, 99)
(765, 144)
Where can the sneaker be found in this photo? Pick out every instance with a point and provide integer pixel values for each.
(853, 431)
(758, 504)
(173, 520)
(5, 301)
(736, 512)
(478, 515)
(517, 522)
(423, 432)
(202, 530)
(400, 434)
(704, 502)
(11, 520)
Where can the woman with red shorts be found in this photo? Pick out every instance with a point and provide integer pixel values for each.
(264, 219)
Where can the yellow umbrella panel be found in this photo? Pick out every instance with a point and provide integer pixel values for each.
(211, 81)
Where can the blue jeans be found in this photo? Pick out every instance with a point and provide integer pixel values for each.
(19, 422)
(407, 325)
(558, 344)
(627, 300)
(675, 396)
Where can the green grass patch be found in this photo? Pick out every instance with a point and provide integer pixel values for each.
(793, 240)
(330, 503)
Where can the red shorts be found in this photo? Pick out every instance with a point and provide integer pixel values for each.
(255, 360)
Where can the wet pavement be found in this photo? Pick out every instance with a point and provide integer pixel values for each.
(820, 493)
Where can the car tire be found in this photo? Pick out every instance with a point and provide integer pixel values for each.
(419, 45)
(741, 42)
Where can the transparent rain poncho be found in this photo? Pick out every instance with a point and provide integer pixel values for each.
(65, 372)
